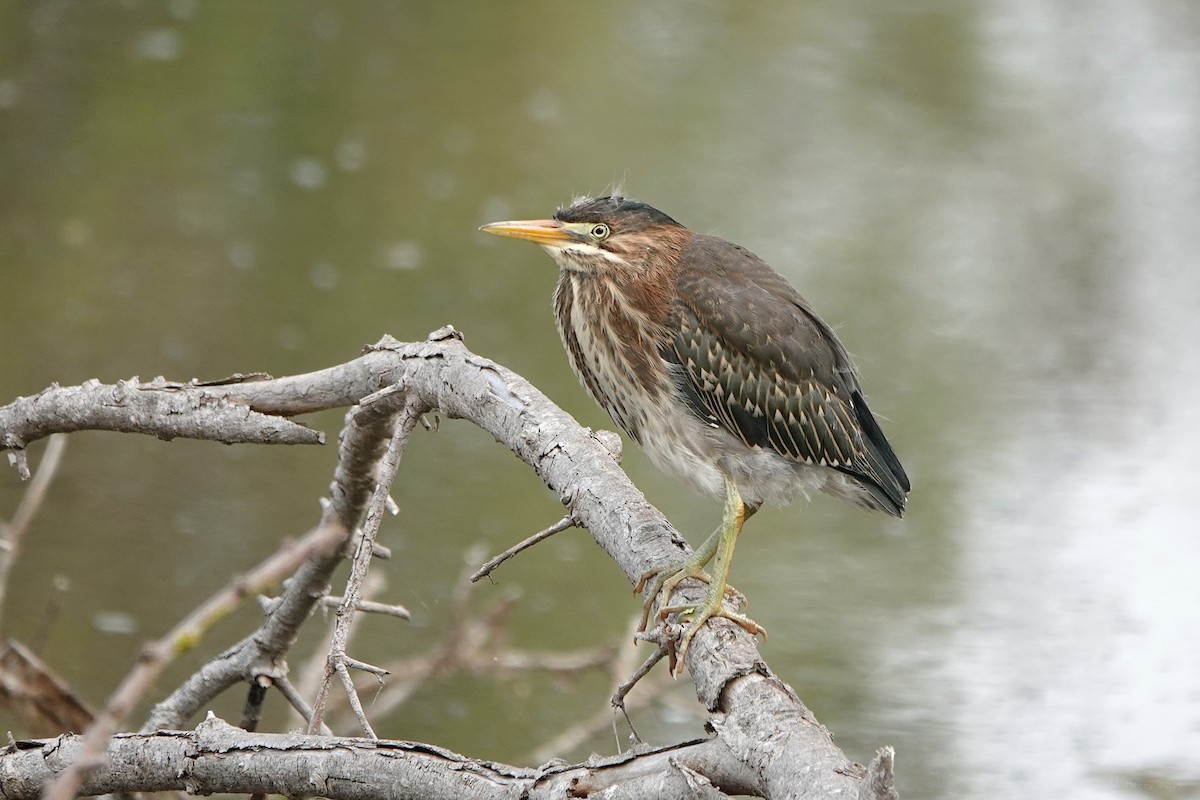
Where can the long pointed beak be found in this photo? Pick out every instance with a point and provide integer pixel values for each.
(540, 231)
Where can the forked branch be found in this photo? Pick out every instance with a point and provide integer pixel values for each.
(766, 741)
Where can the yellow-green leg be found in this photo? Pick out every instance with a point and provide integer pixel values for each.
(663, 581)
(718, 546)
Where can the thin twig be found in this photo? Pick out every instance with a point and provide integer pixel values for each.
(361, 443)
(355, 702)
(307, 678)
(467, 642)
(618, 698)
(369, 606)
(619, 664)
(185, 635)
(14, 532)
(564, 523)
(403, 422)
(363, 666)
(297, 701)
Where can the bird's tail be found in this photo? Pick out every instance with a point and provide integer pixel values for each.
(881, 473)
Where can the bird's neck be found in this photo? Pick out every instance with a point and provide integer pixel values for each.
(612, 338)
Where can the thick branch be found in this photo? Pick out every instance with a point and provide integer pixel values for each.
(160, 408)
(218, 757)
(731, 678)
(775, 747)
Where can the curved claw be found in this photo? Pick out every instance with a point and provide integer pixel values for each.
(701, 614)
(662, 583)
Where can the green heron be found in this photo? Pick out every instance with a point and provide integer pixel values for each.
(718, 369)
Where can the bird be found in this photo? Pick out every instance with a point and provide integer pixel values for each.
(718, 368)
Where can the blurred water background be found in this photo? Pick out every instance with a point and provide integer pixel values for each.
(997, 204)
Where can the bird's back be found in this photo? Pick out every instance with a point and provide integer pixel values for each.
(753, 359)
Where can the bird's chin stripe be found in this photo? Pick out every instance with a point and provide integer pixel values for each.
(579, 257)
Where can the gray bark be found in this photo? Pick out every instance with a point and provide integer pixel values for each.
(766, 742)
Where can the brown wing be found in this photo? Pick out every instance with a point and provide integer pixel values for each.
(756, 361)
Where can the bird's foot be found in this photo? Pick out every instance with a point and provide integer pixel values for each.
(663, 582)
(697, 615)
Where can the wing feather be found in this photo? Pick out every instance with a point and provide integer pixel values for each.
(783, 383)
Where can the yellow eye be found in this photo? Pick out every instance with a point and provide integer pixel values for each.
(600, 231)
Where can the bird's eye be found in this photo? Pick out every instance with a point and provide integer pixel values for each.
(600, 231)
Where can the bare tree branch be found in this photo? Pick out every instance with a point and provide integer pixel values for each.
(361, 445)
(182, 637)
(620, 665)
(370, 607)
(218, 757)
(297, 702)
(767, 742)
(160, 408)
(487, 569)
(403, 418)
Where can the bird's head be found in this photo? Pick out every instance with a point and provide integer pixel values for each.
(602, 236)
